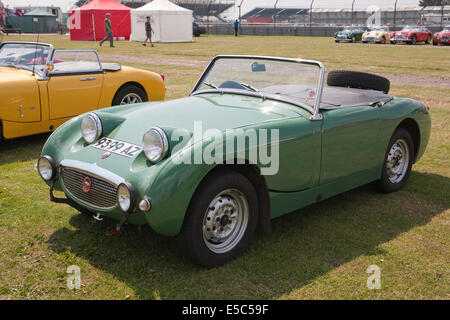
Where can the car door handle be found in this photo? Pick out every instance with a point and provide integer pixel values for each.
(88, 79)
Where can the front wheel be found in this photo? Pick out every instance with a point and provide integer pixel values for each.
(398, 162)
(221, 219)
(129, 95)
(428, 39)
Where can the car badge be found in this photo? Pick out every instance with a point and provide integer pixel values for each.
(87, 183)
(106, 154)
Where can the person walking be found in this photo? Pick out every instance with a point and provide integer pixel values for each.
(148, 32)
(108, 31)
(236, 27)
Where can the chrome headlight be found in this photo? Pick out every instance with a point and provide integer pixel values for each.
(91, 127)
(155, 144)
(46, 168)
(126, 197)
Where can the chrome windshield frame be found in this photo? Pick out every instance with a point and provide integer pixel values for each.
(50, 53)
(315, 111)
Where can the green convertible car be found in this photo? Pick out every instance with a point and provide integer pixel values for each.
(349, 34)
(258, 137)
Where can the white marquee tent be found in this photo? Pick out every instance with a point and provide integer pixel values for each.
(170, 23)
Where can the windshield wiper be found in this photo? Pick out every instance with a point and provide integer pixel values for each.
(212, 85)
(251, 88)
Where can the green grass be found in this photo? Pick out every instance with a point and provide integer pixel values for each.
(319, 252)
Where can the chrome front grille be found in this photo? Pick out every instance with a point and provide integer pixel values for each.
(102, 194)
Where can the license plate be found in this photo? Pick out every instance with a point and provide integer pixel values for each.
(118, 147)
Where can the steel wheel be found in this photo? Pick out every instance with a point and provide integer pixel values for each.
(131, 98)
(225, 221)
(397, 161)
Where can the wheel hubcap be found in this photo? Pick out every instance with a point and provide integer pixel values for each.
(397, 161)
(225, 221)
(131, 98)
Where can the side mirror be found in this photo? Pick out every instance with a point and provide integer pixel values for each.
(49, 66)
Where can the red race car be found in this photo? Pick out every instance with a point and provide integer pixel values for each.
(412, 35)
(442, 37)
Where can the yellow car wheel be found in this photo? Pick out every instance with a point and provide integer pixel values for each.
(130, 94)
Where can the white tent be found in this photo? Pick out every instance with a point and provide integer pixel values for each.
(170, 23)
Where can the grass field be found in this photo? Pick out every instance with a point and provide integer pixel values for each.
(320, 252)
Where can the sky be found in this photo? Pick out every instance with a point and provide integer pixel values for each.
(249, 4)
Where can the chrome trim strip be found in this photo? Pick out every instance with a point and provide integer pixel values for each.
(94, 170)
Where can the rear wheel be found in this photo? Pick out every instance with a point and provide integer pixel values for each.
(360, 80)
(397, 162)
(383, 40)
(221, 219)
(353, 39)
(428, 39)
(434, 43)
(129, 95)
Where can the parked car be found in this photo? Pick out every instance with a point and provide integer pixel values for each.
(442, 37)
(41, 88)
(198, 168)
(197, 30)
(349, 34)
(412, 35)
(376, 35)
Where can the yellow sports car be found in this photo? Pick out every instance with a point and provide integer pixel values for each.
(41, 88)
(377, 35)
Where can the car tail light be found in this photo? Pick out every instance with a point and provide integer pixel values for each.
(163, 76)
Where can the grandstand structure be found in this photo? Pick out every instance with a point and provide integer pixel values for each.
(388, 16)
(202, 10)
(272, 15)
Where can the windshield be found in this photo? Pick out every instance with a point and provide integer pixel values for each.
(22, 55)
(379, 29)
(288, 80)
(407, 28)
(447, 28)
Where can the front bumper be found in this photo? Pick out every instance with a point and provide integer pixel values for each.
(342, 39)
(443, 40)
(401, 40)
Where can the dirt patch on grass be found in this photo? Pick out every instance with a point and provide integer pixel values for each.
(155, 60)
(420, 81)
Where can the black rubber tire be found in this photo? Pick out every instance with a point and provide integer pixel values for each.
(353, 39)
(383, 40)
(337, 41)
(434, 43)
(190, 240)
(197, 33)
(393, 42)
(413, 40)
(428, 40)
(126, 90)
(384, 185)
(359, 80)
